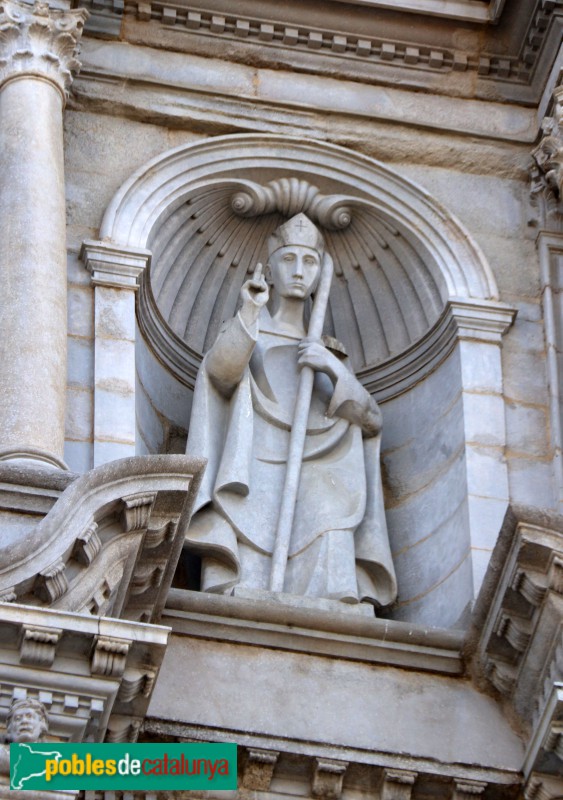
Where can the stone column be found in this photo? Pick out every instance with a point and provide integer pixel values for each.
(37, 57)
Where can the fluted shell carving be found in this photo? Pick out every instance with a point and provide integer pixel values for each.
(292, 196)
(386, 294)
(38, 40)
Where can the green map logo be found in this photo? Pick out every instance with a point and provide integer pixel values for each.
(123, 766)
(27, 757)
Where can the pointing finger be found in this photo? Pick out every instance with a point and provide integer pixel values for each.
(257, 272)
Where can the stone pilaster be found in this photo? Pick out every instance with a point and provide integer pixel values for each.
(37, 59)
(115, 273)
(481, 325)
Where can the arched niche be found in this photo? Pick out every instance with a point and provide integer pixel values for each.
(413, 300)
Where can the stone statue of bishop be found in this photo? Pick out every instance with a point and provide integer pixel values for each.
(241, 422)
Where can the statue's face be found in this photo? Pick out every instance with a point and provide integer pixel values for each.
(26, 725)
(295, 270)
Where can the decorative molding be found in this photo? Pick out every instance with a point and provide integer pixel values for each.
(114, 267)
(368, 639)
(154, 537)
(468, 790)
(482, 320)
(38, 645)
(259, 768)
(123, 729)
(328, 776)
(52, 582)
(38, 41)
(87, 545)
(146, 576)
(552, 678)
(135, 683)
(31, 455)
(109, 656)
(137, 510)
(397, 784)
(517, 632)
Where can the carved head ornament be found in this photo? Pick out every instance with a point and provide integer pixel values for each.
(26, 720)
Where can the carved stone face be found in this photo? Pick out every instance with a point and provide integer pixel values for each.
(26, 725)
(295, 270)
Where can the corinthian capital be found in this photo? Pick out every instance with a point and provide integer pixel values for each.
(41, 41)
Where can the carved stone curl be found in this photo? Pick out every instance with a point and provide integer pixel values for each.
(292, 196)
(39, 41)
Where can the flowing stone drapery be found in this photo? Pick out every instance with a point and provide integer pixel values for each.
(37, 58)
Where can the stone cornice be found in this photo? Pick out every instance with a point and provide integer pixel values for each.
(90, 673)
(481, 319)
(467, 10)
(281, 100)
(386, 769)
(271, 32)
(116, 267)
(39, 41)
(314, 630)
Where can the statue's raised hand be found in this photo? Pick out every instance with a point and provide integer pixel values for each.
(254, 295)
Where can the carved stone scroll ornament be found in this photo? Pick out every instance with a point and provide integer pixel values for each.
(38, 40)
(292, 196)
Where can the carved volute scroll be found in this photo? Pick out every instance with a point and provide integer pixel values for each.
(291, 196)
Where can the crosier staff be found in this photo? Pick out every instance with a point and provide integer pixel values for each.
(298, 434)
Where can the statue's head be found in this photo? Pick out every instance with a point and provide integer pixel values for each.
(26, 721)
(296, 252)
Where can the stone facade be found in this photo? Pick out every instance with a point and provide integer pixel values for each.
(147, 151)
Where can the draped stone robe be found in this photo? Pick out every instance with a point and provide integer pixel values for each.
(241, 420)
